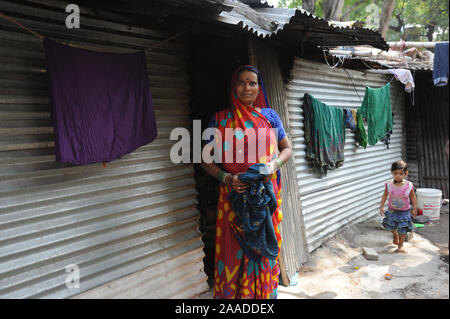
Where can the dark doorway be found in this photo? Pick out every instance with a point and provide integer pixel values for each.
(212, 61)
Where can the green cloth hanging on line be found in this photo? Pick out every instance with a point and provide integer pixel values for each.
(324, 134)
(360, 134)
(376, 108)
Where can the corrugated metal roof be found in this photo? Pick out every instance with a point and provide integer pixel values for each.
(297, 25)
(216, 4)
(391, 59)
(418, 66)
(293, 26)
(257, 3)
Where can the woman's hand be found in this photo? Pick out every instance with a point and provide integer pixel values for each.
(273, 167)
(237, 185)
(381, 211)
(414, 212)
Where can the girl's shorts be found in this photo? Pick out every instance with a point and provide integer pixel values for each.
(398, 220)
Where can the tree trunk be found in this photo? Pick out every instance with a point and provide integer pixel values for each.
(400, 24)
(332, 9)
(308, 5)
(430, 30)
(386, 14)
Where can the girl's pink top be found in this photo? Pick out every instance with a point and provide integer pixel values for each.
(399, 196)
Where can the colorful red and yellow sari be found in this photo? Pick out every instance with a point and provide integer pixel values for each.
(236, 275)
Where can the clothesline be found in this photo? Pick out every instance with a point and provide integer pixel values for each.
(40, 36)
(93, 153)
(341, 60)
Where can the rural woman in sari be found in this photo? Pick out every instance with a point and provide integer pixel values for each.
(241, 272)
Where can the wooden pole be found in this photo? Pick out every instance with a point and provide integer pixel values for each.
(427, 45)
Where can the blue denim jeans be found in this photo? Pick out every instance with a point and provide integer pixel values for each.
(254, 209)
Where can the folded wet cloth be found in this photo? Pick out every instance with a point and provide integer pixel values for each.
(376, 108)
(254, 209)
(440, 64)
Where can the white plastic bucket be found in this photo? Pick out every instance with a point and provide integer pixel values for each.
(429, 202)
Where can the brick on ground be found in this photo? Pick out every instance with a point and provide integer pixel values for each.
(370, 253)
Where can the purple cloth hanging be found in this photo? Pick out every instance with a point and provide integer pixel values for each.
(101, 104)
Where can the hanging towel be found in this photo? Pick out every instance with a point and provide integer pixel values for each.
(376, 108)
(440, 65)
(101, 105)
(405, 77)
(324, 134)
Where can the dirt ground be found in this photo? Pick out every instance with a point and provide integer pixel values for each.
(437, 232)
(337, 269)
(421, 273)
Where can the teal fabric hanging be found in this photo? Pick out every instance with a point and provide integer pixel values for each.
(376, 108)
(324, 134)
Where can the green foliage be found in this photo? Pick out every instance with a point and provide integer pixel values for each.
(431, 16)
(290, 4)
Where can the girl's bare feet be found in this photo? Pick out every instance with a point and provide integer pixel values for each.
(400, 249)
(395, 235)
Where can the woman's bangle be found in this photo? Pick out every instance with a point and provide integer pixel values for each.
(279, 162)
(222, 175)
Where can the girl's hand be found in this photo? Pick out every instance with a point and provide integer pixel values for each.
(414, 212)
(237, 185)
(382, 212)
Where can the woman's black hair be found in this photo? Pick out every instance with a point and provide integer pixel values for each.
(399, 165)
(247, 68)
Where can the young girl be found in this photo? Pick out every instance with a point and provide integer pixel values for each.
(398, 216)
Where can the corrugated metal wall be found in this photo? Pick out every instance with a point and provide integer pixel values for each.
(133, 224)
(411, 143)
(353, 192)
